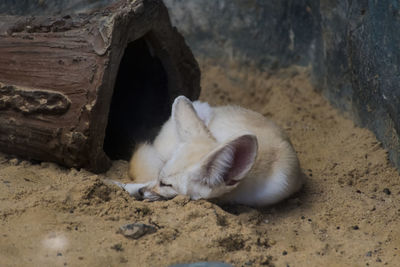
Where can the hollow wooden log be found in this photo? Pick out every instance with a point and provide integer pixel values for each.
(69, 86)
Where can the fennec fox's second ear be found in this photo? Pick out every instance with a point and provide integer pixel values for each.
(234, 154)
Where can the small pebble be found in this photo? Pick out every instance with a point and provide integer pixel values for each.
(136, 230)
(355, 227)
(378, 260)
(284, 253)
(369, 254)
(302, 217)
(59, 254)
(387, 191)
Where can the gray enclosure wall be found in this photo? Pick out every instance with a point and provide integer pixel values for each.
(352, 46)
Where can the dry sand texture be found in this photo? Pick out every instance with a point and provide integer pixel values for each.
(346, 215)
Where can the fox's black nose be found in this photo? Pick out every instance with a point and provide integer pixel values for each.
(141, 192)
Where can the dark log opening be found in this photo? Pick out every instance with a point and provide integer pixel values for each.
(138, 106)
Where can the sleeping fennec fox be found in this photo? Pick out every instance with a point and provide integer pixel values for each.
(227, 153)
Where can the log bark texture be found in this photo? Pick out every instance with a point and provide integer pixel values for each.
(57, 77)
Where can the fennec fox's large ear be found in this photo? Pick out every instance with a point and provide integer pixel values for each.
(230, 163)
(187, 122)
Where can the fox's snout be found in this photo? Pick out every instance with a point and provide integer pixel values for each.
(149, 193)
(140, 193)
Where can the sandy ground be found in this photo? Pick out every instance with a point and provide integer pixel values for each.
(347, 214)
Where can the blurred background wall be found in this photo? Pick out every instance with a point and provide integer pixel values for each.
(352, 47)
(265, 34)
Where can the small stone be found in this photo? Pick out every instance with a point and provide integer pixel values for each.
(59, 254)
(355, 227)
(136, 230)
(369, 254)
(302, 217)
(378, 260)
(284, 253)
(387, 191)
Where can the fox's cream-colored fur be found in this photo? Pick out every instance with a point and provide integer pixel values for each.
(229, 153)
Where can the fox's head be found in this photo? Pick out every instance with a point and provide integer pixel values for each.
(200, 167)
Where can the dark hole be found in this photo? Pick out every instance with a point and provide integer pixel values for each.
(140, 103)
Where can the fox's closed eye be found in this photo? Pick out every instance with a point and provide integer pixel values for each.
(163, 184)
